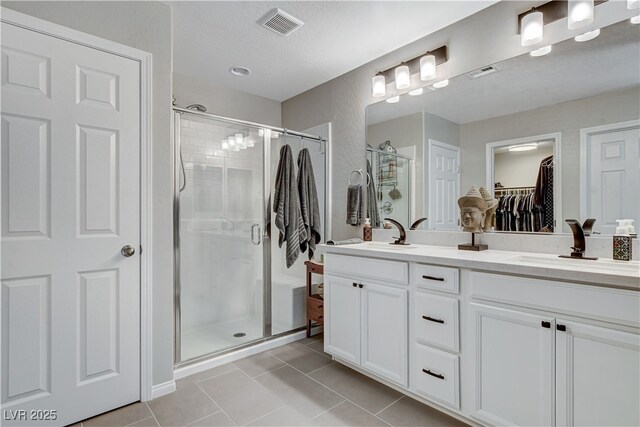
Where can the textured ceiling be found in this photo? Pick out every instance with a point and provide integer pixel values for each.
(571, 71)
(338, 36)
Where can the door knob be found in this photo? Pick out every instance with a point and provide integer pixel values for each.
(127, 251)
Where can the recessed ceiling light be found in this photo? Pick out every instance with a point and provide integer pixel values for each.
(441, 84)
(541, 52)
(417, 92)
(587, 36)
(393, 99)
(239, 71)
(524, 147)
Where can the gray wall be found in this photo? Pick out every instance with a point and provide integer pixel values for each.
(145, 26)
(225, 101)
(566, 118)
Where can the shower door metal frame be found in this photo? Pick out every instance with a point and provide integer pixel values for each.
(266, 233)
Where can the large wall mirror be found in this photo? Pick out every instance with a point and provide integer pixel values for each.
(553, 137)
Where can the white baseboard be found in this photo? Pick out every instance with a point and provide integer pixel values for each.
(162, 389)
(185, 371)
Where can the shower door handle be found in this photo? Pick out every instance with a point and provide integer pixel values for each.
(254, 240)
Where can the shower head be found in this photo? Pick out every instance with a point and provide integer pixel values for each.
(197, 107)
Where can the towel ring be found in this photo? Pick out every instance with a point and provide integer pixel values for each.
(358, 171)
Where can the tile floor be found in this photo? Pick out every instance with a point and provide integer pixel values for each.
(294, 385)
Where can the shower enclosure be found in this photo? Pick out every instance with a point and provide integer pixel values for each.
(392, 181)
(231, 289)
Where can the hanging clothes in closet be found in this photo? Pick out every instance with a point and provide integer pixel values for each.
(544, 193)
(516, 211)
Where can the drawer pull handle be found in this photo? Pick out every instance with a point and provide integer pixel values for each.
(361, 285)
(433, 374)
(355, 285)
(438, 279)
(431, 319)
(545, 324)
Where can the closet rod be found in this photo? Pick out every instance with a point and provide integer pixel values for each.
(247, 123)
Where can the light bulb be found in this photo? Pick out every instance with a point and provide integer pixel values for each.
(589, 35)
(239, 139)
(532, 28)
(427, 67)
(579, 14)
(441, 84)
(225, 144)
(378, 86)
(635, 20)
(260, 132)
(633, 4)
(541, 52)
(393, 99)
(417, 92)
(232, 141)
(403, 78)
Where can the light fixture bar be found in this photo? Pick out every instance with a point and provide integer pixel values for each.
(551, 12)
(414, 63)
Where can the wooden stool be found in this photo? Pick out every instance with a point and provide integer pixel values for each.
(315, 303)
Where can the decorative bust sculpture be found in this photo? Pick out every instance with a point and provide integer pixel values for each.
(473, 209)
(492, 205)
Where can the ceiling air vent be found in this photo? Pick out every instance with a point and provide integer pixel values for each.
(481, 72)
(281, 22)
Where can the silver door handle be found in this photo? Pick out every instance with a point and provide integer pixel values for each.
(254, 240)
(127, 251)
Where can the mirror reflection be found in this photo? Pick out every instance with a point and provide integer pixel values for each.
(551, 137)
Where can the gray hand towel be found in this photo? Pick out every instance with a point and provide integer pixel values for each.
(354, 205)
(286, 205)
(372, 202)
(309, 206)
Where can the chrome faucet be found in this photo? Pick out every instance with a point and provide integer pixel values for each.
(403, 234)
(417, 223)
(579, 242)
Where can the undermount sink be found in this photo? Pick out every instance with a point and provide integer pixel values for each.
(599, 265)
(387, 245)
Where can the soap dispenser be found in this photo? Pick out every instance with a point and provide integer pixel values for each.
(622, 242)
(630, 228)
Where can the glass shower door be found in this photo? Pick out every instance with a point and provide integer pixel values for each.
(220, 255)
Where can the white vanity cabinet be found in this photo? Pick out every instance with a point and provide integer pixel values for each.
(366, 322)
(532, 367)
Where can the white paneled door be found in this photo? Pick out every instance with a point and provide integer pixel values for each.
(444, 186)
(70, 226)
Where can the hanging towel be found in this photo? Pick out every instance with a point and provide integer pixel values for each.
(309, 206)
(286, 206)
(372, 202)
(354, 204)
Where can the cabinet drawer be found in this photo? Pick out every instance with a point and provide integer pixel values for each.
(435, 375)
(379, 270)
(433, 277)
(436, 320)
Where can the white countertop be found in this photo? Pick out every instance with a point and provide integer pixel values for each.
(603, 272)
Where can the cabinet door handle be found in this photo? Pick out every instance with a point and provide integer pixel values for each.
(431, 319)
(562, 328)
(361, 285)
(433, 374)
(355, 285)
(438, 279)
(546, 324)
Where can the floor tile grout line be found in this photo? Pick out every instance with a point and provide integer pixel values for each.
(152, 413)
(390, 404)
(330, 409)
(208, 415)
(216, 403)
(139, 421)
(333, 362)
(268, 413)
(214, 376)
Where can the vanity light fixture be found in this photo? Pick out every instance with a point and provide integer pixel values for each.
(579, 13)
(403, 77)
(524, 147)
(532, 28)
(232, 142)
(590, 35)
(224, 144)
(635, 20)
(378, 85)
(417, 92)
(428, 67)
(261, 132)
(541, 52)
(633, 4)
(393, 99)
(400, 75)
(441, 84)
